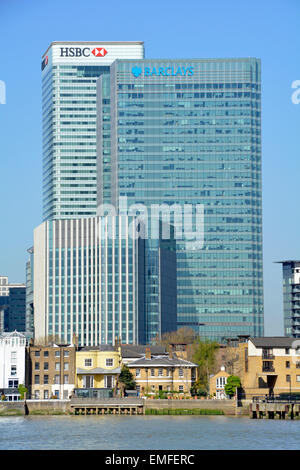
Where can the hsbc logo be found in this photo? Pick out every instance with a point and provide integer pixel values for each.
(45, 62)
(82, 52)
(99, 52)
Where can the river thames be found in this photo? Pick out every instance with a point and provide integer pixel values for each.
(147, 433)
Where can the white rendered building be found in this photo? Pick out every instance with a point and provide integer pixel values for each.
(12, 364)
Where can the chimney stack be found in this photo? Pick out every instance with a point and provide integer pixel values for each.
(148, 353)
(75, 340)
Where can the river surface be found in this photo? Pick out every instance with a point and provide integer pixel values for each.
(147, 432)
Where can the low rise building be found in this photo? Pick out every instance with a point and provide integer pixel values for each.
(50, 371)
(272, 366)
(97, 370)
(266, 365)
(169, 373)
(217, 384)
(12, 364)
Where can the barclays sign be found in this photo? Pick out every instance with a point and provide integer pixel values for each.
(162, 71)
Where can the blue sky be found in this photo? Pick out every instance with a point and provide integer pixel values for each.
(268, 29)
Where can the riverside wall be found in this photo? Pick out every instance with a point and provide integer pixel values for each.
(12, 408)
(32, 407)
(63, 407)
(228, 407)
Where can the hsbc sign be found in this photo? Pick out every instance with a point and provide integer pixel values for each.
(82, 51)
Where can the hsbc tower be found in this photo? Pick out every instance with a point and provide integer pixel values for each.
(69, 74)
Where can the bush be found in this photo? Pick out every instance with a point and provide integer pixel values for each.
(199, 389)
(233, 382)
(22, 390)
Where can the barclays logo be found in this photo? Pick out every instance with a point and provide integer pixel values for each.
(163, 71)
(136, 71)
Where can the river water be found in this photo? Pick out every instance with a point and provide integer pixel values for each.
(147, 432)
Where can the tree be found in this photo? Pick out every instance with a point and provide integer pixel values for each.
(205, 357)
(232, 358)
(22, 390)
(126, 378)
(183, 335)
(198, 389)
(233, 382)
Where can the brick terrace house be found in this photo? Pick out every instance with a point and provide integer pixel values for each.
(50, 371)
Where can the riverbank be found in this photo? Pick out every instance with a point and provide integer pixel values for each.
(123, 406)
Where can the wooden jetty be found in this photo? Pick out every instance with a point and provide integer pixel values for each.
(274, 408)
(105, 406)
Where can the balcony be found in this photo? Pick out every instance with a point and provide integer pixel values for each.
(268, 356)
(268, 367)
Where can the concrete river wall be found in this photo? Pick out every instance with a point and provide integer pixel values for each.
(132, 406)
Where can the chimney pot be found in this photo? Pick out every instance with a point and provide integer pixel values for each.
(148, 353)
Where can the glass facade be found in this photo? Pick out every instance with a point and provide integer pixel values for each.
(69, 75)
(189, 132)
(90, 279)
(291, 297)
(69, 163)
(29, 294)
(92, 282)
(12, 309)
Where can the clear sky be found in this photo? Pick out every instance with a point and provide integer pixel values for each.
(268, 29)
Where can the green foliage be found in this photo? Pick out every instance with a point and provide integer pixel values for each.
(233, 382)
(22, 390)
(161, 394)
(198, 389)
(205, 357)
(127, 379)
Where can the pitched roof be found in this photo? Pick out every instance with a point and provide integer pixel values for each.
(273, 342)
(163, 361)
(100, 347)
(13, 334)
(133, 350)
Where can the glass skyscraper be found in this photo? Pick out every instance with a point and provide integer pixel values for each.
(29, 294)
(69, 74)
(63, 304)
(291, 297)
(13, 309)
(189, 132)
(176, 133)
(89, 279)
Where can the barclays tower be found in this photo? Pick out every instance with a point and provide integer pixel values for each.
(188, 132)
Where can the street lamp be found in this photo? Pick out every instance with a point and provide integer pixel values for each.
(288, 378)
